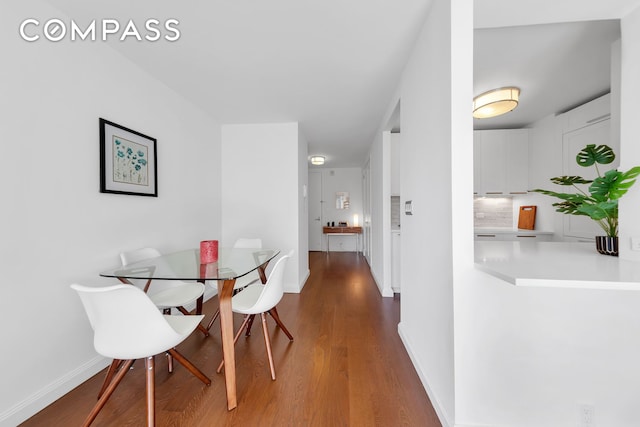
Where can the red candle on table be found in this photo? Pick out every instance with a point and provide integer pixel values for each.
(208, 251)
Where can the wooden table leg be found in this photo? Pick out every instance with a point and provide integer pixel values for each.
(225, 292)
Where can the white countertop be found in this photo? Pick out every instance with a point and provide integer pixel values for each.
(556, 264)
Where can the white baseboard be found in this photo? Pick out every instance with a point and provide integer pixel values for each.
(301, 285)
(385, 292)
(33, 404)
(444, 418)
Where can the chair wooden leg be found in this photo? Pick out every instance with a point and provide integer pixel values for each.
(274, 313)
(113, 368)
(201, 328)
(151, 391)
(169, 362)
(213, 319)
(217, 313)
(190, 366)
(108, 392)
(249, 325)
(267, 342)
(235, 340)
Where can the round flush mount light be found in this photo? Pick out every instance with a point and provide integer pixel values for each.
(317, 160)
(495, 102)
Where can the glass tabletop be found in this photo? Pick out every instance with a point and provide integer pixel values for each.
(185, 265)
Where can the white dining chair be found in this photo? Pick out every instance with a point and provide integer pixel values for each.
(166, 294)
(246, 280)
(128, 326)
(261, 299)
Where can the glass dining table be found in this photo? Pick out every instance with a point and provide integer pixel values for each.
(185, 265)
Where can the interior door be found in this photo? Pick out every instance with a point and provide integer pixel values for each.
(315, 211)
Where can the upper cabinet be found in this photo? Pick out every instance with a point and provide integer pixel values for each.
(587, 114)
(501, 165)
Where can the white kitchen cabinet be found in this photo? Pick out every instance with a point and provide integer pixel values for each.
(587, 124)
(501, 165)
(587, 114)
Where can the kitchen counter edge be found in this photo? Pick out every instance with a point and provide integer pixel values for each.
(556, 264)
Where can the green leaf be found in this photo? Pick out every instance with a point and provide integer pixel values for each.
(575, 198)
(601, 186)
(600, 210)
(614, 184)
(569, 208)
(570, 180)
(624, 182)
(602, 154)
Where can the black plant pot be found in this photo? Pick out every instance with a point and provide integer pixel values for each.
(607, 245)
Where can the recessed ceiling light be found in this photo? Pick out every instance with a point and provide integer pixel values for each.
(317, 160)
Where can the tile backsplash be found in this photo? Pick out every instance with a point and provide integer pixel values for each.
(493, 212)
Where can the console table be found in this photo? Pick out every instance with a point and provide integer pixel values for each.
(343, 231)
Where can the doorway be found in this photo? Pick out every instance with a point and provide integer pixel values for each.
(315, 211)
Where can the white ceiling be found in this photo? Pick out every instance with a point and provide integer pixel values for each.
(556, 66)
(331, 65)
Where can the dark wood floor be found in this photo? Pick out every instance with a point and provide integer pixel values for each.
(346, 367)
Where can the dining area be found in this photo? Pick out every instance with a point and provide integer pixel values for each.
(345, 366)
(127, 322)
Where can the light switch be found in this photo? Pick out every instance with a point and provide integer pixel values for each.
(408, 207)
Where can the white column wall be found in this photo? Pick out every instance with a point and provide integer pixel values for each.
(56, 227)
(303, 210)
(532, 356)
(261, 193)
(629, 131)
(427, 125)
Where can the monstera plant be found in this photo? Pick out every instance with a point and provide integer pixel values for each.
(599, 200)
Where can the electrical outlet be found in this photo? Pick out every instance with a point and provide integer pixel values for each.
(635, 243)
(586, 416)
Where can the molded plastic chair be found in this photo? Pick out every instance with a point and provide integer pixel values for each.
(261, 299)
(241, 282)
(166, 294)
(128, 326)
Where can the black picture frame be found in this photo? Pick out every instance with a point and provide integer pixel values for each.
(128, 161)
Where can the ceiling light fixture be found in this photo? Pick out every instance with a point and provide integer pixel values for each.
(317, 160)
(495, 102)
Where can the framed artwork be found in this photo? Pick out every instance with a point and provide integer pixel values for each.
(128, 161)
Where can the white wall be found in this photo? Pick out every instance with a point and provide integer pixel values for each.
(629, 131)
(262, 198)
(379, 162)
(338, 180)
(429, 142)
(532, 356)
(303, 208)
(56, 227)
